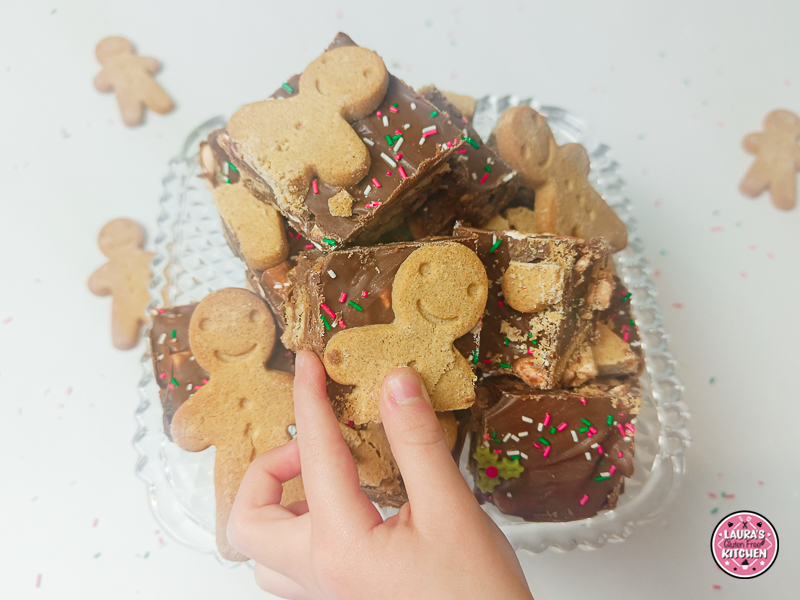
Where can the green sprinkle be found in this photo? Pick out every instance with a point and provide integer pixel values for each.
(288, 88)
(434, 113)
(583, 429)
(553, 431)
(506, 341)
(587, 423)
(712, 380)
(389, 139)
(97, 555)
(487, 168)
(329, 241)
(627, 297)
(515, 457)
(232, 166)
(471, 142)
(227, 180)
(495, 246)
(504, 365)
(609, 420)
(714, 510)
(601, 478)
(355, 305)
(325, 322)
(475, 357)
(544, 441)
(408, 233)
(173, 334)
(174, 382)
(631, 323)
(394, 104)
(146, 554)
(494, 433)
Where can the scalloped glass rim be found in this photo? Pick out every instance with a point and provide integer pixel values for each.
(192, 259)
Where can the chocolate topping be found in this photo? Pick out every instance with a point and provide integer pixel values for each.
(564, 485)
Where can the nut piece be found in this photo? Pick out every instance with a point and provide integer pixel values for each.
(532, 287)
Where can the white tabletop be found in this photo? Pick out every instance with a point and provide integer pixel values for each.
(671, 90)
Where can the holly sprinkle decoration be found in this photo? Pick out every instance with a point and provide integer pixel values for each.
(491, 468)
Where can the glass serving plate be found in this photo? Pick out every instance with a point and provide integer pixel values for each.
(192, 259)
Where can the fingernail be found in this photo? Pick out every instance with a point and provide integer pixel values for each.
(406, 388)
(299, 359)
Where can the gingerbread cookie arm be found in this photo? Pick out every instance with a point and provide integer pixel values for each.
(100, 281)
(752, 143)
(103, 82)
(756, 180)
(187, 430)
(156, 99)
(455, 382)
(152, 65)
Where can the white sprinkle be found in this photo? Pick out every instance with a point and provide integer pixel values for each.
(616, 423)
(413, 106)
(588, 456)
(277, 286)
(332, 274)
(368, 141)
(474, 177)
(505, 439)
(606, 474)
(367, 190)
(523, 455)
(594, 445)
(287, 284)
(385, 121)
(421, 141)
(494, 240)
(489, 160)
(427, 129)
(397, 145)
(574, 435)
(527, 420)
(160, 357)
(523, 434)
(626, 439)
(508, 177)
(633, 421)
(225, 168)
(191, 357)
(189, 387)
(161, 338)
(513, 452)
(546, 363)
(539, 426)
(388, 160)
(406, 126)
(508, 494)
(515, 438)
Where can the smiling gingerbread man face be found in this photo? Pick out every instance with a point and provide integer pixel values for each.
(239, 331)
(438, 295)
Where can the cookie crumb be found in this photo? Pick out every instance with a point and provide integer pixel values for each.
(341, 205)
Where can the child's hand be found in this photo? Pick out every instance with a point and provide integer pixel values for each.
(335, 545)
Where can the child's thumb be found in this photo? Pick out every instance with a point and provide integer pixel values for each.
(429, 472)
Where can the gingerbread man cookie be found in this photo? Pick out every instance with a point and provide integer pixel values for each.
(566, 204)
(438, 295)
(125, 277)
(777, 159)
(292, 140)
(131, 77)
(245, 409)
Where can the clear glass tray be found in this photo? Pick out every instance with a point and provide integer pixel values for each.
(192, 259)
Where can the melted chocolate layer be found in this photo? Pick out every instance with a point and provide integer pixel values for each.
(576, 479)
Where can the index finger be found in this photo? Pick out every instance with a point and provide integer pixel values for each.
(330, 477)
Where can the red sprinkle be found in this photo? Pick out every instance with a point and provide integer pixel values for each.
(376, 182)
(484, 178)
(546, 451)
(379, 114)
(599, 449)
(491, 472)
(364, 294)
(325, 307)
(562, 427)
(341, 324)
(626, 336)
(461, 151)
(343, 297)
(393, 109)
(497, 451)
(500, 303)
(583, 400)
(546, 420)
(619, 454)
(315, 187)
(584, 499)
(612, 469)
(164, 374)
(398, 157)
(401, 170)
(388, 173)
(537, 445)
(309, 246)
(621, 430)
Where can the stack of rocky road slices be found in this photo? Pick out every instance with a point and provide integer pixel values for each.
(381, 231)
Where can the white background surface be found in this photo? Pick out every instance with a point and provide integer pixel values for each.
(672, 90)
